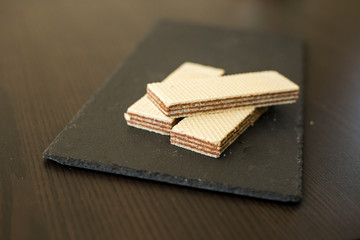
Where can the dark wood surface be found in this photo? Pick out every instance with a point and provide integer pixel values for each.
(54, 55)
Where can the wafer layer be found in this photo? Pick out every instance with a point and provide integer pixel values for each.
(212, 133)
(192, 96)
(143, 114)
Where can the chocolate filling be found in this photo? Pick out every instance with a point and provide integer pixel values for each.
(152, 120)
(215, 154)
(193, 143)
(150, 127)
(234, 99)
(180, 110)
(189, 112)
(213, 149)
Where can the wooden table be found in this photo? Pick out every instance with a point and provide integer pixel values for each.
(55, 54)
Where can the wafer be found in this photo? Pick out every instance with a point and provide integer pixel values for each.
(144, 115)
(193, 96)
(210, 134)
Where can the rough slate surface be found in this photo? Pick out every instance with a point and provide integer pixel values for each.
(264, 162)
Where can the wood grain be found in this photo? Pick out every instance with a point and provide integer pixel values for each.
(54, 55)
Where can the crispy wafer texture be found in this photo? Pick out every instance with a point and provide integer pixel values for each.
(189, 70)
(143, 114)
(193, 96)
(210, 134)
(144, 107)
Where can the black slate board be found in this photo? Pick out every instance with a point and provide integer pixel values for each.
(264, 162)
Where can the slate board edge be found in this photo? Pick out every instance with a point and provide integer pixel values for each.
(300, 126)
(177, 180)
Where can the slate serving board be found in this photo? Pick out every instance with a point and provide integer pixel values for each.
(264, 162)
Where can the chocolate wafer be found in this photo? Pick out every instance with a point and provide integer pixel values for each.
(144, 115)
(193, 96)
(210, 134)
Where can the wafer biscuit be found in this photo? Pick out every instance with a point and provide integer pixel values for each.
(144, 115)
(210, 134)
(193, 96)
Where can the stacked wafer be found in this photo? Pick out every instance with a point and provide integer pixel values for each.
(143, 114)
(194, 96)
(210, 134)
(215, 109)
